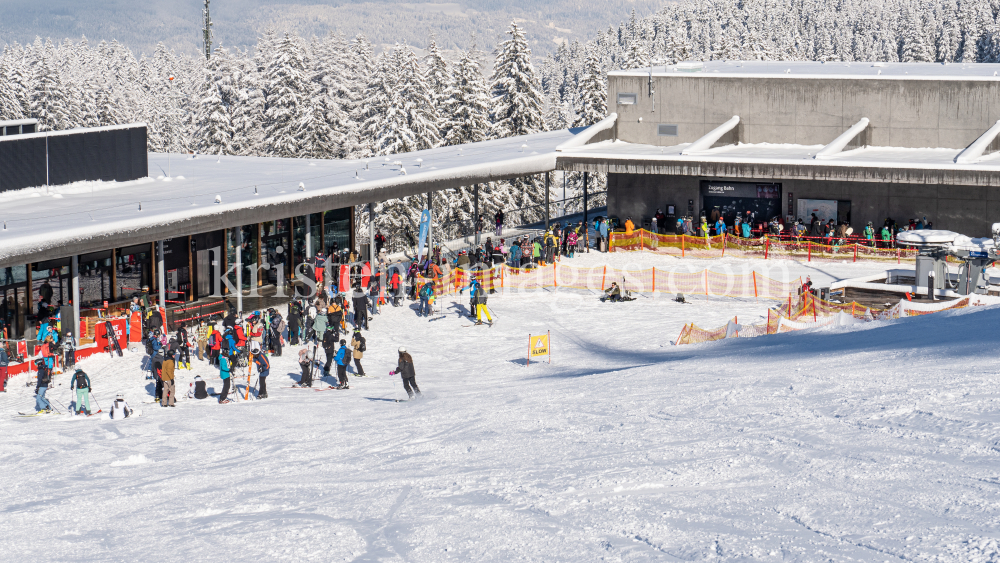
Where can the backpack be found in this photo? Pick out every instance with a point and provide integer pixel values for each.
(361, 344)
(81, 380)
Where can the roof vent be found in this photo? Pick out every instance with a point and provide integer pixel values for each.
(691, 66)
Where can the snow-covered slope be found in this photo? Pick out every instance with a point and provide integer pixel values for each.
(871, 443)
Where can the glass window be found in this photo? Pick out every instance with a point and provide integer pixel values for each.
(133, 271)
(337, 233)
(245, 239)
(274, 240)
(628, 99)
(315, 225)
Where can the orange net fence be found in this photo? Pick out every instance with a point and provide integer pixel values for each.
(807, 311)
(598, 278)
(761, 247)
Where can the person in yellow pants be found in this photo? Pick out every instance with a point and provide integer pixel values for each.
(478, 295)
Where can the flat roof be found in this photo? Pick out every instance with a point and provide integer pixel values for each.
(809, 69)
(179, 196)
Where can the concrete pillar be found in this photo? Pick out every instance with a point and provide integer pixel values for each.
(75, 296)
(546, 201)
(309, 246)
(371, 235)
(161, 277)
(586, 230)
(239, 270)
(475, 212)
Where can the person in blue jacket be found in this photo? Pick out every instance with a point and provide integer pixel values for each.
(263, 370)
(746, 229)
(343, 358)
(604, 232)
(225, 372)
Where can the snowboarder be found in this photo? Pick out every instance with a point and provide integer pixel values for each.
(358, 344)
(405, 370)
(263, 370)
(81, 383)
(183, 347)
(343, 358)
(120, 408)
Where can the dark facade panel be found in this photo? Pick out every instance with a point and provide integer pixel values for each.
(114, 155)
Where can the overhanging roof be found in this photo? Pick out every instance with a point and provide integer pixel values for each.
(179, 196)
(767, 160)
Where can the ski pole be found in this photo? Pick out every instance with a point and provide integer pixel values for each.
(60, 404)
(95, 401)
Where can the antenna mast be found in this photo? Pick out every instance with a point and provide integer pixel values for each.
(207, 31)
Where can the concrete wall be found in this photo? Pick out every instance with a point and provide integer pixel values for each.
(809, 111)
(964, 209)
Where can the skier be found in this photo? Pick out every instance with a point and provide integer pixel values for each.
(374, 293)
(294, 320)
(330, 348)
(120, 408)
(225, 372)
(183, 347)
(305, 362)
(405, 370)
(478, 303)
(263, 369)
(81, 383)
(169, 394)
(203, 331)
(358, 344)
(343, 358)
(426, 295)
(44, 377)
(394, 286)
(360, 300)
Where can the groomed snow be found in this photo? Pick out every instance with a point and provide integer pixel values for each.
(867, 443)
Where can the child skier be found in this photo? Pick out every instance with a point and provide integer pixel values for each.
(81, 383)
(306, 364)
(343, 358)
(225, 373)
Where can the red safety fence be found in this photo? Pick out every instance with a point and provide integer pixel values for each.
(599, 278)
(802, 248)
(807, 311)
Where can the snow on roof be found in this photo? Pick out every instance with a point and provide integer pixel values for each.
(927, 237)
(910, 71)
(44, 223)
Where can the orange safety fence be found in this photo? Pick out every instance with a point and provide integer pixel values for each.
(807, 311)
(760, 247)
(599, 278)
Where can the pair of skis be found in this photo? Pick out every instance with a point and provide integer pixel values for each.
(113, 345)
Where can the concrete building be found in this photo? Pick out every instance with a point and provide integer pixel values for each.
(858, 141)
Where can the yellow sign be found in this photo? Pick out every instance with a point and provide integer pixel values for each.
(539, 345)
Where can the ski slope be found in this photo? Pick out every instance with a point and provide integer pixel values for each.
(870, 443)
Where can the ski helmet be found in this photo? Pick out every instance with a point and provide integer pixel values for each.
(402, 349)
(120, 396)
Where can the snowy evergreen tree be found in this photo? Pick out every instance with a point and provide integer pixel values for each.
(49, 103)
(287, 99)
(466, 105)
(216, 104)
(593, 105)
(516, 107)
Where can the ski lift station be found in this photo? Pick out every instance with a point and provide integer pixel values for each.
(95, 217)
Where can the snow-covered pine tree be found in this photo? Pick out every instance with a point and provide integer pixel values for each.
(216, 103)
(516, 107)
(386, 126)
(287, 99)
(466, 104)
(360, 74)
(437, 77)
(418, 101)
(593, 105)
(915, 47)
(49, 104)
